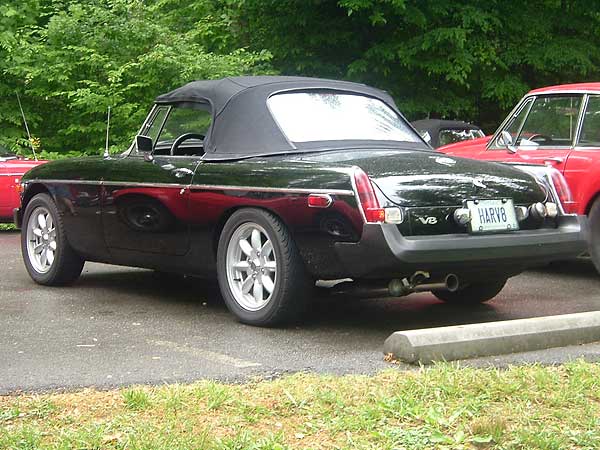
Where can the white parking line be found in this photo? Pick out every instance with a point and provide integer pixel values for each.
(206, 354)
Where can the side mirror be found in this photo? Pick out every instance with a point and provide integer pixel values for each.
(143, 144)
(505, 140)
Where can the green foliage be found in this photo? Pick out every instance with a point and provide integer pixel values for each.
(117, 53)
(468, 59)
(471, 59)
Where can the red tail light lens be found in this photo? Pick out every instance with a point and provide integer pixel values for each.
(368, 198)
(319, 201)
(562, 189)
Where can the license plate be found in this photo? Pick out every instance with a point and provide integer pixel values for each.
(492, 215)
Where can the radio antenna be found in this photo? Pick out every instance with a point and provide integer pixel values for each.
(26, 127)
(106, 153)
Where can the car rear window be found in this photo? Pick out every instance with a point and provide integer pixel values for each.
(335, 116)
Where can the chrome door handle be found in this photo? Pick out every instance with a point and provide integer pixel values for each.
(554, 159)
(182, 172)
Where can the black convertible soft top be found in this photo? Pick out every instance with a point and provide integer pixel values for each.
(243, 124)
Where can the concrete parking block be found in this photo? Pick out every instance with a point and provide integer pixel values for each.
(492, 338)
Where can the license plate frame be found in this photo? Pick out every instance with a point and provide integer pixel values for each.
(492, 215)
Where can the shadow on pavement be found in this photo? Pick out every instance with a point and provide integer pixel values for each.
(380, 316)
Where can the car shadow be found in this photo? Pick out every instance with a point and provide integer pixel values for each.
(375, 317)
(575, 268)
(334, 313)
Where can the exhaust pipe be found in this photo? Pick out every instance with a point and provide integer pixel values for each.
(399, 288)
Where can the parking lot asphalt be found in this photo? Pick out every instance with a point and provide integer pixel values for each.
(119, 326)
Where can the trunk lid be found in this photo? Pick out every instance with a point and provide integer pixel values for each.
(421, 178)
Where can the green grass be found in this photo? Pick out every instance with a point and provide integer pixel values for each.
(445, 407)
(7, 227)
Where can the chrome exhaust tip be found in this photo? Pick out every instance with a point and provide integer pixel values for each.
(399, 288)
(451, 282)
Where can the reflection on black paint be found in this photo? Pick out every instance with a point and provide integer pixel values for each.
(144, 214)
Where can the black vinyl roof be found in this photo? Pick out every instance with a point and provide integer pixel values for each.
(242, 123)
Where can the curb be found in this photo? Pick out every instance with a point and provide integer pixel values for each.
(492, 338)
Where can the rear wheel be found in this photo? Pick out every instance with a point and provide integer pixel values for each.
(594, 236)
(48, 257)
(472, 293)
(261, 274)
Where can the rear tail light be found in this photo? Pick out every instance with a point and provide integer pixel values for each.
(367, 198)
(562, 189)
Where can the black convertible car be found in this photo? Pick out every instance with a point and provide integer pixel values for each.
(271, 183)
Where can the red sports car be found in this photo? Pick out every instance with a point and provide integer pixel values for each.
(556, 126)
(12, 169)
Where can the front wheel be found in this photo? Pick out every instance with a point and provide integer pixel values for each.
(261, 274)
(472, 293)
(48, 257)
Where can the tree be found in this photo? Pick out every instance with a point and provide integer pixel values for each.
(441, 58)
(118, 53)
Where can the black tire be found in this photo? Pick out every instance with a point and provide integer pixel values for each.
(67, 265)
(472, 293)
(594, 235)
(290, 296)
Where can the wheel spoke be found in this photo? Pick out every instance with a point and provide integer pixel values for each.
(53, 245)
(49, 223)
(37, 249)
(41, 220)
(50, 256)
(270, 265)
(37, 232)
(242, 265)
(247, 284)
(256, 243)
(257, 292)
(266, 249)
(43, 258)
(268, 283)
(246, 247)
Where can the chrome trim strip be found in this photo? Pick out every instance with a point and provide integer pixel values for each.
(54, 181)
(508, 119)
(212, 187)
(580, 117)
(205, 187)
(20, 174)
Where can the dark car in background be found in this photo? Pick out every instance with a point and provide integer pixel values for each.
(438, 132)
(270, 183)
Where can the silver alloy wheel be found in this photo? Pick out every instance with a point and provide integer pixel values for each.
(41, 239)
(251, 266)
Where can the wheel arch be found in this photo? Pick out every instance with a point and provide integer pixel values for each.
(591, 201)
(31, 191)
(218, 229)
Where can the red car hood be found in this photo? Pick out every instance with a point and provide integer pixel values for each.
(20, 166)
(472, 146)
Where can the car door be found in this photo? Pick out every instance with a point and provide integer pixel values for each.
(145, 205)
(583, 164)
(146, 195)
